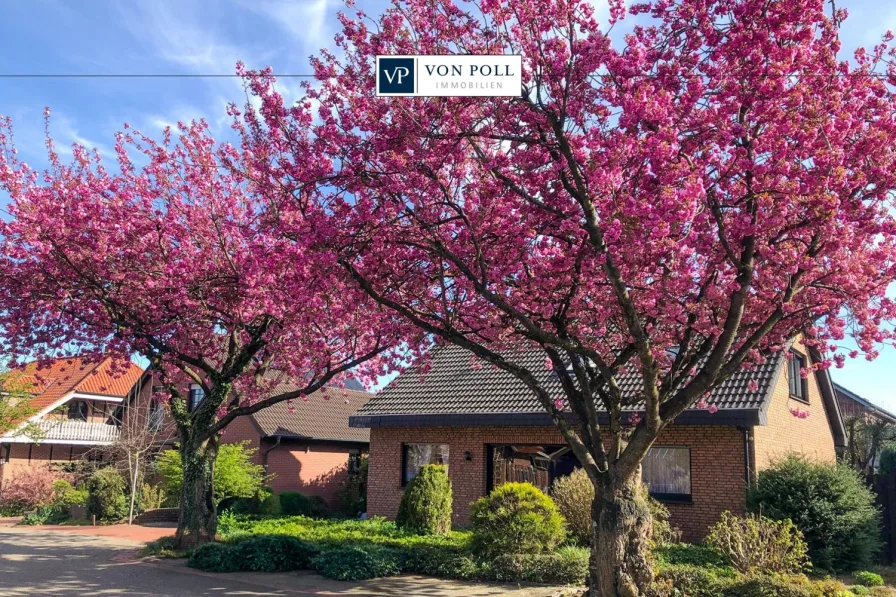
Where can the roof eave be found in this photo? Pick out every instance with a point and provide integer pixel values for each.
(746, 417)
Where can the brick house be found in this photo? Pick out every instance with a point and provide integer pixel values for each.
(78, 405)
(488, 428)
(853, 405)
(307, 445)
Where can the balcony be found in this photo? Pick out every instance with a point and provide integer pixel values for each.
(76, 432)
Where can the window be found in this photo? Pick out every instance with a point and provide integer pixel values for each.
(77, 410)
(415, 456)
(797, 384)
(535, 464)
(196, 396)
(156, 416)
(354, 462)
(667, 473)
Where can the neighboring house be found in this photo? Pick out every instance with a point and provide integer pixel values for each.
(869, 431)
(489, 429)
(77, 404)
(306, 444)
(853, 405)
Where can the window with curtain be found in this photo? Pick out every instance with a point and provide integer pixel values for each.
(156, 416)
(667, 473)
(196, 396)
(415, 456)
(795, 380)
(77, 410)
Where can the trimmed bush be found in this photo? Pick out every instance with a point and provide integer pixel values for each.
(573, 495)
(868, 579)
(516, 518)
(568, 565)
(425, 507)
(106, 495)
(358, 563)
(293, 503)
(759, 544)
(270, 505)
(215, 557)
(274, 553)
(442, 561)
(829, 503)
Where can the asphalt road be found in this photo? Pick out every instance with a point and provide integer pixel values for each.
(39, 562)
(35, 561)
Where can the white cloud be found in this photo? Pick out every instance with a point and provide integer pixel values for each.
(304, 21)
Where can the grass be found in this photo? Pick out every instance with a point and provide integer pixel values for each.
(376, 531)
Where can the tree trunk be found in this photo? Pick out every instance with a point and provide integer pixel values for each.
(198, 512)
(620, 552)
(134, 474)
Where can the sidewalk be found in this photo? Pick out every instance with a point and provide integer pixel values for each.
(134, 532)
(311, 584)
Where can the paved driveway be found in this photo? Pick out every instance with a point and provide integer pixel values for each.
(36, 561)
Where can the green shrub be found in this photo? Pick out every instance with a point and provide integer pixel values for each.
(767, 586)
(758, 544)
(868, 579)
(319, 507)
(692, 581)
(425, 507)
(516, 518)
(45, 515)
(215, 557)
(568, 565)
(236, 474)
(441, 561)
(274, 553)
(106, 495)
(293, 503)
(65, 495)
(573, 495)
(860, 590)
(358, 563)
(662, 531)
(829, 503)
(270, 506)
(688, 554)
(352, 492)
(887, 460)
(151, 496)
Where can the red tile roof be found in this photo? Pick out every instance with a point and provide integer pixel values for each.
(52, 381)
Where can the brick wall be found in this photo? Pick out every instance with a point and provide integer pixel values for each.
(717, 467)
(310, 468)
(786, 433)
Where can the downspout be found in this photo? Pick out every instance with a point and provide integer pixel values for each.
(748, 464)
(264, 456)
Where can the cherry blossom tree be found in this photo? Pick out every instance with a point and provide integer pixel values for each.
(169, 255)
(681, 204)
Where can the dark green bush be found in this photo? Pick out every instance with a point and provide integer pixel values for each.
(215, 557)
(829, 503)
(516, 518)
(358, 563)
(353, 491)
(756, 544)
(106, 495)
(274, 553)
(319, 507)
(887, 460)
(568, 565)
(293, 503)
(693, 555)
(868, 579)
(270, 505)
(425, 507)
(442, 561)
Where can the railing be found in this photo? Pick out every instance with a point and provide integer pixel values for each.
(78, 431)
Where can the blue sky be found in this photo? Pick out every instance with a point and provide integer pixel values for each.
(192, 37)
